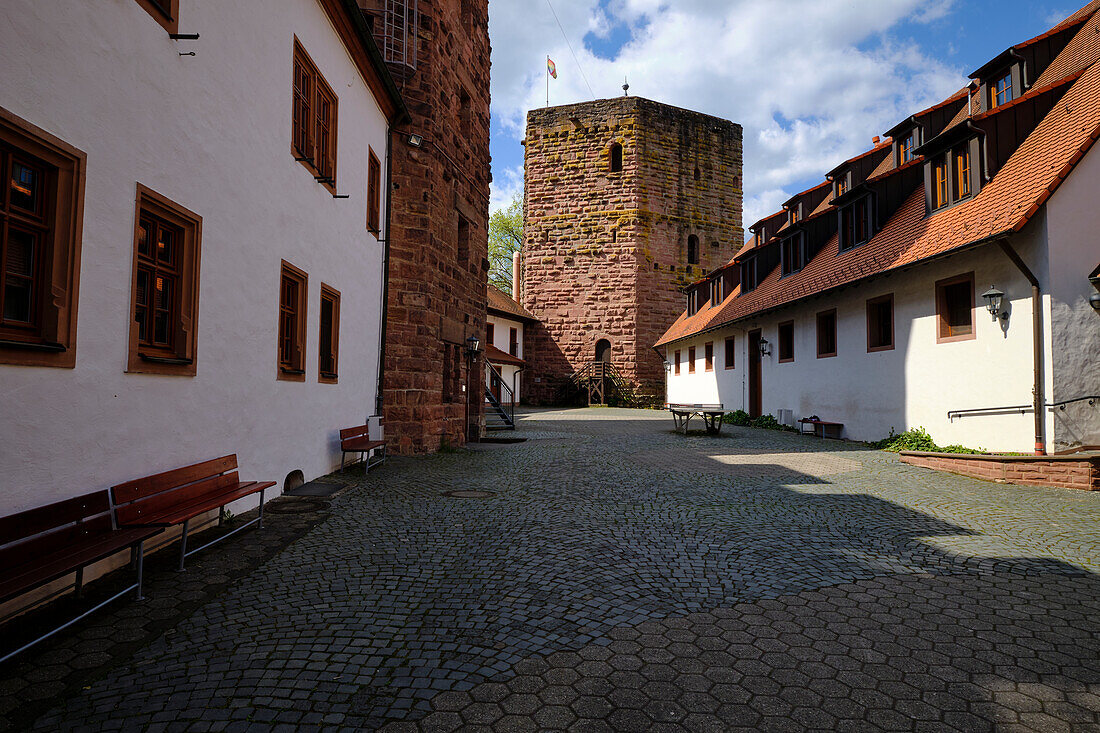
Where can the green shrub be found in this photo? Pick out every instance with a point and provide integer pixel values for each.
(767, 422)
(740, 417)
(917, 439)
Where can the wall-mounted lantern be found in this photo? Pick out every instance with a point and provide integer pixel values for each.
(994, 298)
(415, 140)
(473, 347)
(765, 347)
(1094, 299)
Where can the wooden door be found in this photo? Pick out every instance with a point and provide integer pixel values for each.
(494, 385)
(754, 374)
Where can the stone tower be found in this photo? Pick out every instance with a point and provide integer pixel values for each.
(438, 53)
(626, 201)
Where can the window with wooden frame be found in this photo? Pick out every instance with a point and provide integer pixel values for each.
(293, 285)
(165, 287)
(708, 356)
(513, 341)
(41, 210)
(793, 254)
(880, 323)
(826, 334)
(313, 138)
(730, 352)
(616, 158)
(716, 291)
(490, 331)
(940, 183)
(328, 358)
(374, 194)
(855, 224)
(691, 360)
(748, 275)
(842, 185)
(955, 308)
(693, 301)
(905, 148)
(165, 12)
(795, 213)
(786, 341)
(1000, 91)
(962, 172)
(676, 361)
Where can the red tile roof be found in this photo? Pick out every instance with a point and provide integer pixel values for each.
(497, 356)
(1025, 182)
(502, 304)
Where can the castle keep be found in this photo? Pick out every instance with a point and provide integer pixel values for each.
(626, 202)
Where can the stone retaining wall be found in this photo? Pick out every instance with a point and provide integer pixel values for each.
(1076, 471)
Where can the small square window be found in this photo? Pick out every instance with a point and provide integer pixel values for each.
(786, 341)
(880, 323)
(826, 334)
(955, 308)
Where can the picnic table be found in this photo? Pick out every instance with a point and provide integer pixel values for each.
(711, 414)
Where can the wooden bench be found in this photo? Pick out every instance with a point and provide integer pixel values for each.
(178, 496)
(819, 427)
(41, 545)
(711, 414)
(357, 440)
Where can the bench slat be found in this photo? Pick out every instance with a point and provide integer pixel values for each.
(140, 488)
(45, 543)
(352, 445)
(361, 431)
(40, 568)
(41, 519)
(182, 512)
(151, 510)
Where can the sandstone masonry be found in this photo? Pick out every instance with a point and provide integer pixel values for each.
(438, 53)
(606, 253)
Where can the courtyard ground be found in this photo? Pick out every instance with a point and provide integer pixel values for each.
(619, 577)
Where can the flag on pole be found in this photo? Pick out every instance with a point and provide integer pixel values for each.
(551, 67)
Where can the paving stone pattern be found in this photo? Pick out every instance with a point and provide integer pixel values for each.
(758, 580)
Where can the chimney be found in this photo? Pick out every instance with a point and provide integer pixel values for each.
(515, 276)
(875, 140)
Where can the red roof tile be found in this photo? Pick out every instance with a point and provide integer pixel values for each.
(502, 304)
(1025, 182)
(498, 356)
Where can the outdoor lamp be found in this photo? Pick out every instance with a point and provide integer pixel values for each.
(473, 346)
(416, 140)
(993, 300)
(765, 347)
(1094, 299)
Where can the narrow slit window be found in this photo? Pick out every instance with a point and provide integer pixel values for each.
(708, 356)
(826, 334)
(292, 332)
(329, 351)
(616, 164)
(676, 361)
(786, 341)
(691, 360)
(374, 194)
(730, 352)
(962, 172)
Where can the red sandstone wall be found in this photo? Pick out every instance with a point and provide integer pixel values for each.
(1083, 473)
(437, 293)
(605, 253)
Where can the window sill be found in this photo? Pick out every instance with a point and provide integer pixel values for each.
(291, 375)
(826, 356)
(328, 379)
(163, 365)
(876, 349)
(787, 361)
(952, 339)
(36, 353)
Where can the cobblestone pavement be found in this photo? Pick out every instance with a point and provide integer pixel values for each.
(624, 577)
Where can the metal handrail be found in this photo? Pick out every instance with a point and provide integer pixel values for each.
(1091, 399)
(492, 369)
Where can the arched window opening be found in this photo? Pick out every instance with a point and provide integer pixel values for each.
(616, 157)
(603, 351)
(693, 250)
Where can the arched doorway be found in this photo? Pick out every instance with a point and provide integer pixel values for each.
(603, 351)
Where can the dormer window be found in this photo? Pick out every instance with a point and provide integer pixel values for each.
(795, 213)
(962, 172)
(748, 275)
(1000, 90)
(716, 291)
(855, 223)
(793, 254)
(939, 182)
(693, 301)
(952, 176)
(843, 184)
(905, 147)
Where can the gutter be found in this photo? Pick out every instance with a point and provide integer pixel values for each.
(385, 274)
(987, 176)
(1038, 401)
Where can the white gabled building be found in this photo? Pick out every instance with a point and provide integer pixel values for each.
(864, 301)
(193, 225)
(504, 346)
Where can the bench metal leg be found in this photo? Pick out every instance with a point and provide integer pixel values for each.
(260, 524)
(140, 561)
(183, 545)
(80, 583)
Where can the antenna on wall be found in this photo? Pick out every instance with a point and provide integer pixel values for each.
(626, 87)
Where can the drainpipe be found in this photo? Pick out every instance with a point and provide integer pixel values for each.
(515, 277)
(385, 274)
(1036, 336)
(1023, 68)
(987, 174)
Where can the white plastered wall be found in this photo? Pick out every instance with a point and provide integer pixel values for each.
(513, 375)
(913, 385)
(212, 133)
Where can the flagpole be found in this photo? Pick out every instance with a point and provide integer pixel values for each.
(547, 80)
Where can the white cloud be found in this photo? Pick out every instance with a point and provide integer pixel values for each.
(811, 81)
(507, 184)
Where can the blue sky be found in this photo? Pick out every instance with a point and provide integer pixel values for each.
(811, 81)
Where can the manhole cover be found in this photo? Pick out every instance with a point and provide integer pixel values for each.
(297, 505)
(469, 494)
